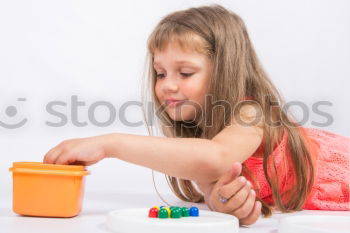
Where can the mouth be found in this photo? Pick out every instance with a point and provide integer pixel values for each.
(173, 103)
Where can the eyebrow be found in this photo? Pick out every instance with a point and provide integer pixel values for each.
(181, 62)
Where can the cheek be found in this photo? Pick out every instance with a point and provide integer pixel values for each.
(157, 90)
(195, 90)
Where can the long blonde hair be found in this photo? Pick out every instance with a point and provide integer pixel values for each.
(236, 74)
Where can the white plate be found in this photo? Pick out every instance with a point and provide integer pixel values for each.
(137, 220)
(314, 223)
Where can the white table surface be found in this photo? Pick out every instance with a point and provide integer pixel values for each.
(96, 205)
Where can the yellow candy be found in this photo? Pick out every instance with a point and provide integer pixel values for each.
(157, 207)
(168, 209)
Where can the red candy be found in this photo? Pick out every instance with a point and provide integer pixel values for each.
(153, 213)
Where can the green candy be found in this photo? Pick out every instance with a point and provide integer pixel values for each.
(163, 213)
(185, 212)
(176, 213)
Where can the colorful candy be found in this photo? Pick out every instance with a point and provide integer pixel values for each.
(153, 213)
(194, 212)
(163, 213)
(185, 212)
(176, 213)
(168, 209)
(172, 212)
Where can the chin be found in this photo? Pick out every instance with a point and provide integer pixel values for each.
(181, 117)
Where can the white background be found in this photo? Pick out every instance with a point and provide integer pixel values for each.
(51, 50)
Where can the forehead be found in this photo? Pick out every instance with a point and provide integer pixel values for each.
(177, 55)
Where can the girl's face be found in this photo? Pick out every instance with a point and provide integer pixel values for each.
(182, 81)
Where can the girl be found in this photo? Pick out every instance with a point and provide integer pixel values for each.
(216, 106)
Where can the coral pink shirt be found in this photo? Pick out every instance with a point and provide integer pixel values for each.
(332, 173)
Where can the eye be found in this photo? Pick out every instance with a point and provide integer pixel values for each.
(160, 75)
(186, 74)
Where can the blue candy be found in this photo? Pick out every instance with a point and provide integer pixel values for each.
(194, 212)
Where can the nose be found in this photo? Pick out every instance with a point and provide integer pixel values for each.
(170, 84)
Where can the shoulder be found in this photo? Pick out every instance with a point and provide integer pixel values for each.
(249, 114)
(243, 135)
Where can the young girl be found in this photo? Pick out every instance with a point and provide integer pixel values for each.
(216, 106)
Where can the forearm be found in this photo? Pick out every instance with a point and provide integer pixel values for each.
(187, 158)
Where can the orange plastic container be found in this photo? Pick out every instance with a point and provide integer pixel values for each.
(47, 190)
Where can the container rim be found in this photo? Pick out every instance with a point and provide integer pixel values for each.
(48, 169)
(47, 166)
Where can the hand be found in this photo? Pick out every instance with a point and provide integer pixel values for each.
(80, 151)
(234, 195)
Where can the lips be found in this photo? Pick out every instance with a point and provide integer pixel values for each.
(174, 102)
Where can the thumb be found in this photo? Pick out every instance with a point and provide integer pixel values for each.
(231, 174)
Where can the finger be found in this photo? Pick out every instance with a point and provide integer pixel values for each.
(226, 192)
(79, 163)
(247, 207)
(46, 156)
(231, 174)
(51, 155)
(232, 188)
(238, 199)
(84, 163)
(253, 216)
(65, 158)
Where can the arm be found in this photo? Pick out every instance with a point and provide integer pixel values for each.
(201, 160)
(187, 158)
